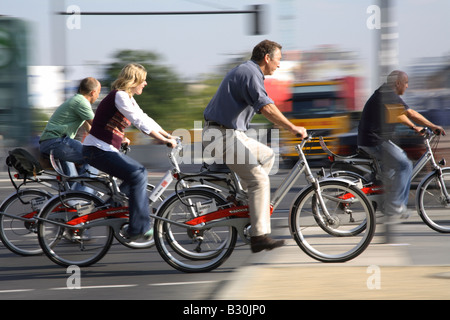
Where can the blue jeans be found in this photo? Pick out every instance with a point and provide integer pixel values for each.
(134, 183)
(69, 152)
(397, 169)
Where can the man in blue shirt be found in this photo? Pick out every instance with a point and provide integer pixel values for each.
(382, 112)
(239, 97)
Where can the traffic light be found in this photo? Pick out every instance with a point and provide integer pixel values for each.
(258, 24)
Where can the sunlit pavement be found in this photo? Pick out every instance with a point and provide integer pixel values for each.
(415, 265)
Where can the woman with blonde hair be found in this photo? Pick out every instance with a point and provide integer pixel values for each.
(117, 111)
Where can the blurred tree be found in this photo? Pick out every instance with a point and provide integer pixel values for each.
(171, 101)
(165, 97)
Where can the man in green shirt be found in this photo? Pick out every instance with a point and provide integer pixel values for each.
(61, 129)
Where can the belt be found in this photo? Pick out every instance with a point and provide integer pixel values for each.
(215, 124)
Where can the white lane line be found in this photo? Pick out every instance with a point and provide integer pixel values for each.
(114, 286)
(97, 287)
(180, 283)
(15, 290)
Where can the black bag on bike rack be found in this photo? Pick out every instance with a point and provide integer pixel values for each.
(24, 162)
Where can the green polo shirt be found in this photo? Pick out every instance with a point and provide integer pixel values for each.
(68, 118)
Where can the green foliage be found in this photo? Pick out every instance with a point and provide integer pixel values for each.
(40, 120)
(171, 101)
(166, 98)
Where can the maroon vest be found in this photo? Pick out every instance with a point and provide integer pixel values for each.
(109, 124)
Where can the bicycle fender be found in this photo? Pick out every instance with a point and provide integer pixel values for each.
(67, 192)
(15, 193)
(174, 194)
(428, 176)
(351, 183)
(299, 194)
(308, 188)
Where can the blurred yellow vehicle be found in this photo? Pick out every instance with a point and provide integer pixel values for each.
(322, 107)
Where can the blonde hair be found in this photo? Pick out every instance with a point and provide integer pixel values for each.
(132, 75)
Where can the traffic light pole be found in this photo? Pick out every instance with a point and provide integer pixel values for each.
(255, 10)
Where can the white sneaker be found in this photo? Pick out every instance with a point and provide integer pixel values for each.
(145, 236)
(403, 212)
(396, 215)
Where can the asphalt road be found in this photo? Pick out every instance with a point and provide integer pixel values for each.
(142, 274)
(122, 274)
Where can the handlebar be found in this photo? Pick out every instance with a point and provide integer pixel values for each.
(125, 148)
(314, 134)
(178, 140)
(428, 133)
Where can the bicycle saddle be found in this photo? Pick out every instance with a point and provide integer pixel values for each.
(363, 154)
(216, 168)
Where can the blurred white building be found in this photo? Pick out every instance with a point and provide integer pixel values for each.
(46, 87)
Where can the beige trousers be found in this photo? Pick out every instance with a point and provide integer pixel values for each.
(252, 161)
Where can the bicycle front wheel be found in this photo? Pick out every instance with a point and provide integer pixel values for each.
(18, 227)
(337, 229)
(66, 245)
(191, 250)
(432, 203)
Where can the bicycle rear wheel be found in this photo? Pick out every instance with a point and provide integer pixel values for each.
(339, 237)
(191, 250)
(70, 246)
(431, 203)
(18, 229)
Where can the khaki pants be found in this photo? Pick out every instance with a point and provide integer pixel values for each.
(252, 162)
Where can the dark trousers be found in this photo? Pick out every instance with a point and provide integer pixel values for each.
(134, 185)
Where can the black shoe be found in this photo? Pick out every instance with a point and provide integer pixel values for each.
(261, 243)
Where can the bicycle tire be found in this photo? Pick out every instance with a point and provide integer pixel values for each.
(18, 235)
(192, 250)
(67, 246)
(347, 241)
(430, 203)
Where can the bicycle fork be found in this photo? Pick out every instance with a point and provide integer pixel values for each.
(329, 220)
(444, 194)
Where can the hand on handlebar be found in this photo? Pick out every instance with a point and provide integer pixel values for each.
(420, 130)
(171, 142)
(438, 130)
(125, 145)
(126, 141)
(300, 132)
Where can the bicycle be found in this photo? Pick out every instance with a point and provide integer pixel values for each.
(77, 228)
(432, 195)
(18, 224)
(205, 237)
(18, 210)
(196, 228)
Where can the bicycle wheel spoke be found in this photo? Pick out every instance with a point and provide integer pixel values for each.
(192, 250)
(432, 203)
(72, 246)
(337, 234)
(20, 234)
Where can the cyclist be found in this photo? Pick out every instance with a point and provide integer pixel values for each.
(241, 95)
(117, 111)
(382, 111)
(60, 131)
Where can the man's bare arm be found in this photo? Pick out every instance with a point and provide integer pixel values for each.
(416, 117)
(274, 115)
